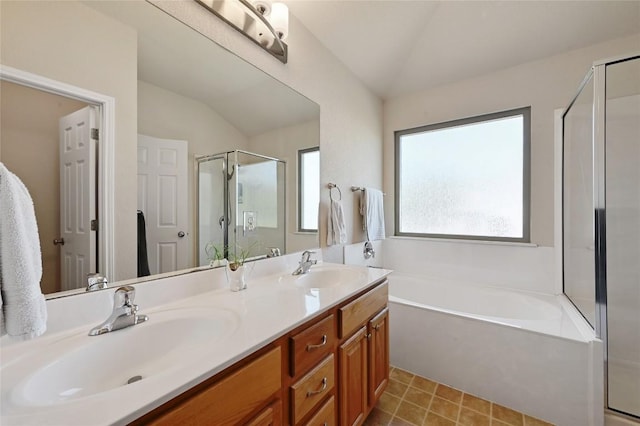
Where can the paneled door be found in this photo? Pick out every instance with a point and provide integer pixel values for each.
(78, 221)
(163, 199)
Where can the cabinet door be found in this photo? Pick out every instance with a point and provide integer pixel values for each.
(353, 379)
(378, 355)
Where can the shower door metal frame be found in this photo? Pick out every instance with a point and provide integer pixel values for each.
(599, 72)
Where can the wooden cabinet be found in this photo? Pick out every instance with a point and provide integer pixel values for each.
(364, 356)
(378, 359)
(353, 379)
(326, 415)
(270, 416)
(230, 400)
(312, 344)
(330, 370)
(356, 313)
(310, 390)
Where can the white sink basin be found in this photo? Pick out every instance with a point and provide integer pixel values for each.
(82, 366)
(327, 276)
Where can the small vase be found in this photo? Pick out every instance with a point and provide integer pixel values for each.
(236, 278)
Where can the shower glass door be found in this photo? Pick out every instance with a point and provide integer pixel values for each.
(211, 211)
(578, 203)
(623, 234)
(257, 194)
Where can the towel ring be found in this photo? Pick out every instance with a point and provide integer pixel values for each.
(331, 186)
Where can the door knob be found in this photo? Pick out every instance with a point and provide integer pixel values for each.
(181, 234)
(58, 242)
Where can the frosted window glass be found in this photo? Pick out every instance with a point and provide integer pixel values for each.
(309, 190)
(464, 180)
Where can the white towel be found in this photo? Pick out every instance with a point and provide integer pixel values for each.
(23, 307)
(337, 230)
(372, 211)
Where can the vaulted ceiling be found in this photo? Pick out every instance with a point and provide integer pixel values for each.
(397, 47)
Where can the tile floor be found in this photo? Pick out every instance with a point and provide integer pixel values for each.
(415, 401)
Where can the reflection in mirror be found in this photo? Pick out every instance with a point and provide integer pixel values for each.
(193, 99)
(308, 189)
(241, 206)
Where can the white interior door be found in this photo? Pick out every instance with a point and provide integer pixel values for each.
(162, 198)
(77, 196)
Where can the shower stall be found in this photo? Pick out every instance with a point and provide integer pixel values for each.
(601, 219)
(240, 204)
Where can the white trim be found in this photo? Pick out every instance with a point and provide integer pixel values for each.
(106, 230)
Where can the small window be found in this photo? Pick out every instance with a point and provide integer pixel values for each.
(308, 189)
(466, 178)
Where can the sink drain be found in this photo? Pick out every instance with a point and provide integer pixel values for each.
(134, 379)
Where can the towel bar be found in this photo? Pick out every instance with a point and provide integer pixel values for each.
(360, 188)
(331, 186)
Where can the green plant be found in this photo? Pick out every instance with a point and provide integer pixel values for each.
(213, 252)
(239, 255)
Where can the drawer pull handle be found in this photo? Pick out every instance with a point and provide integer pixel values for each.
(377, 327)
(315, 392)
(312, 347)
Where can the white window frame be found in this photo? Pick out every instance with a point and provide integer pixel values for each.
(526, 170)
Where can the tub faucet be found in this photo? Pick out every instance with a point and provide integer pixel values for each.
(305, 263)
(124, 312)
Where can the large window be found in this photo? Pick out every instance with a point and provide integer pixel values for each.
(308, 189)
(466, 178)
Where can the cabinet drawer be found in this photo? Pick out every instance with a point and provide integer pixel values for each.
(355, 314)
(270, 416)
(307, 392)
(326, 415)
(313, 344)
(233, 398)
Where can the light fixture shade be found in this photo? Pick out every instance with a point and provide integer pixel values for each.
(280, 19)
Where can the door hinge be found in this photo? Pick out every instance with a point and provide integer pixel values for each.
(95, 134)
(94, 224)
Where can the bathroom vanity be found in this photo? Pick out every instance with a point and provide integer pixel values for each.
(305, 350)
(333, 366)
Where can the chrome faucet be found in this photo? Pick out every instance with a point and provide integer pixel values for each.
(273, 252)
(305, 263)
(124, 312)
(96, 282)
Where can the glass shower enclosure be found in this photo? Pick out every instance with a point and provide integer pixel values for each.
(240, 205)
(601, 219)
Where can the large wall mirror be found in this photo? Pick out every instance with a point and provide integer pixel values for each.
(182, 105)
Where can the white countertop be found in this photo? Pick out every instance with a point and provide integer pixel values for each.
(268, 309)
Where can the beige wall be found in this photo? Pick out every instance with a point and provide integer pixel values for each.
(168, 115)
(545, 85)
(284, 144)
(97, 54)
(30, 149)
(350, 115)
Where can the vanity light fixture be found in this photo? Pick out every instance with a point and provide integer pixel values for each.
(265, 23)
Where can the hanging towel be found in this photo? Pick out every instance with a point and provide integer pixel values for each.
(337, 230)
(143, 259)
(24, 311)
(372, 211)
